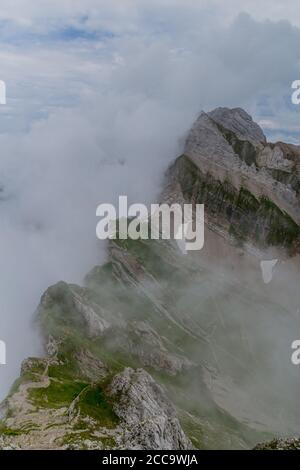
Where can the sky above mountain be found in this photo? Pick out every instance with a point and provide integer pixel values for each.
(180, 53)
(99, 98)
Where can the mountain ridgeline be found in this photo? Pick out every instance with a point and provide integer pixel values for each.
(164, 350)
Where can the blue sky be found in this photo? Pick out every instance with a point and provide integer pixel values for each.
(53, 56)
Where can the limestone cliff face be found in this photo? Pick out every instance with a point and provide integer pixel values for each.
(151, 421)
(160, 350)
(250, 188)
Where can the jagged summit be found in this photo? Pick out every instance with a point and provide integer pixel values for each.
(250, 187)
(238, 121)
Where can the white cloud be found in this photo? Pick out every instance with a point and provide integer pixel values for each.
(128, 15)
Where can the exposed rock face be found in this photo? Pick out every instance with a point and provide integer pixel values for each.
(90, 367)
(239, 123)
(250, 188)
(279, 444)
(85, 312)
(149, 416)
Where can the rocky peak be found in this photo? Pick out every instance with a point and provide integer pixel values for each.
(249, 186)
(240, 123)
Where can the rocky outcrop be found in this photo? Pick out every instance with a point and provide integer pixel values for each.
(82, 309)
(239, 123)
(250, 188)
(279, 444)
(150, 418)
(75, 397)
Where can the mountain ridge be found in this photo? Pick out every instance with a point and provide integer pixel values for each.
(160, 350)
